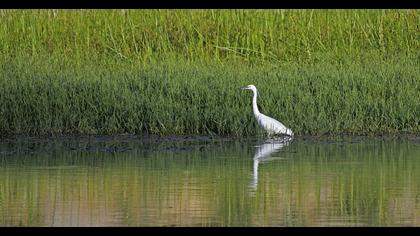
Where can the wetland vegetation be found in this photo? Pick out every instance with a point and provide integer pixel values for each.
(178, 71)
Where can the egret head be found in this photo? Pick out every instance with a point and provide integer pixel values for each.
(250, 87)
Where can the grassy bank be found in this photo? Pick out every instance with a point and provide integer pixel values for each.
(177, 72)
(205, 99)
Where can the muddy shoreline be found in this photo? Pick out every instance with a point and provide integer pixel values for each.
(197, 138)
(30, 145)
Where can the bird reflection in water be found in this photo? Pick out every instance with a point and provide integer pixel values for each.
(265, 153)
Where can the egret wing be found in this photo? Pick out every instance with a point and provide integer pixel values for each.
(271, 125)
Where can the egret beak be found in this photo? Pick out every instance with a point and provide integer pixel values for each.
(243, 88)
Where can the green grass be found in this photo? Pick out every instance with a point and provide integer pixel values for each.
(178, 71)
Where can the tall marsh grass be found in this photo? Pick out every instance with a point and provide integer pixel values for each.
(274, 36)
(178, 71)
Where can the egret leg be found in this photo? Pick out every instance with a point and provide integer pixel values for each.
(270, 136)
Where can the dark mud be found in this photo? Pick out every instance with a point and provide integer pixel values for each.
(172, 143)
(110, 144)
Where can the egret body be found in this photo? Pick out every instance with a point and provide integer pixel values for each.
(270, 125)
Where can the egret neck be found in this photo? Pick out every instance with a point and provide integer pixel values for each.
(254, 103)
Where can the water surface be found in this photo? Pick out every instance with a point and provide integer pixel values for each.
(205, 182)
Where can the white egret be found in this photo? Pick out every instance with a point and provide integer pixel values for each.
(270, 125)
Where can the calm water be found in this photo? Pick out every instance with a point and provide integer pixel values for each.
(132, 182)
